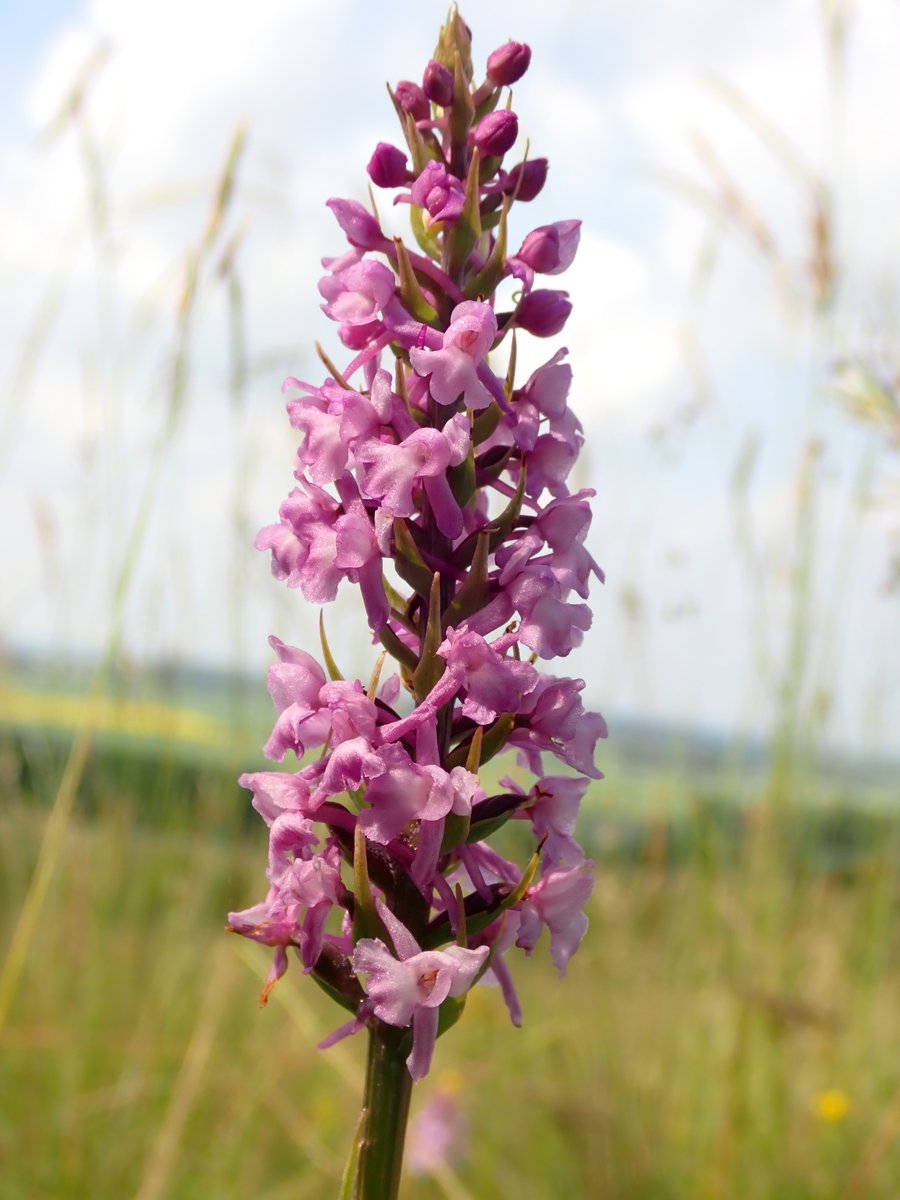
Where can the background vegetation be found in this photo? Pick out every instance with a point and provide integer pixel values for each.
(730, 1026)
(725, 1031)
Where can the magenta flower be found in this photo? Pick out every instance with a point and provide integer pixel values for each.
(547, 250)
(361, 228)
(296, 909)
(409, 989)
(556, 722)
(275, 792)
(453, 370)
(332, 420)
(550, 249)
(491, 682)
(302, 544)
(294, 685)
(547, 388)
(557, 903)
(357, 293)
(360, 547)
(552, 807)
(405, 791)
(350, 765)
(439, 193)
(554, 454)
(394, 471)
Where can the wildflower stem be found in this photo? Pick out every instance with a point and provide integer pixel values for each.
(386, 1109)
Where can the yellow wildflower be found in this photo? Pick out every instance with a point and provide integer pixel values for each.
(831, 1105)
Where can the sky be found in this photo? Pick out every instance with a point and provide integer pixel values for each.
(692, 140)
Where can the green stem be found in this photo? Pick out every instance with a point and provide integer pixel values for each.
(385, 1109)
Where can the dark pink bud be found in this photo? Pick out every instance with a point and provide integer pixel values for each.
(526, 179)
(497, 132)
(508, 64)
(437, 84)
(413, 100)
(543, 312)
(387, 166)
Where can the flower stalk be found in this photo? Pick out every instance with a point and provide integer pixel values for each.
(434, 481)
(388, 1090)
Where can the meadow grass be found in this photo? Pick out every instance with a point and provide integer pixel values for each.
(726, 1030)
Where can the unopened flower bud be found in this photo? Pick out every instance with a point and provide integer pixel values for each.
(543, 312)
(508, 63)
(437, 84)
(413, 100)
(497, 132)
(526, 179)
(387, 166)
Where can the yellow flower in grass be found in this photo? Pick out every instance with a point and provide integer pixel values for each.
(831, 1105)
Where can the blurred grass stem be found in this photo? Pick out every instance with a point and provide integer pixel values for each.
(61, 809)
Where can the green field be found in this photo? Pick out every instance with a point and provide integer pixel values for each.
(729, 1028)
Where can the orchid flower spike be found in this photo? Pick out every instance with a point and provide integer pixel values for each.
(430, 478)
